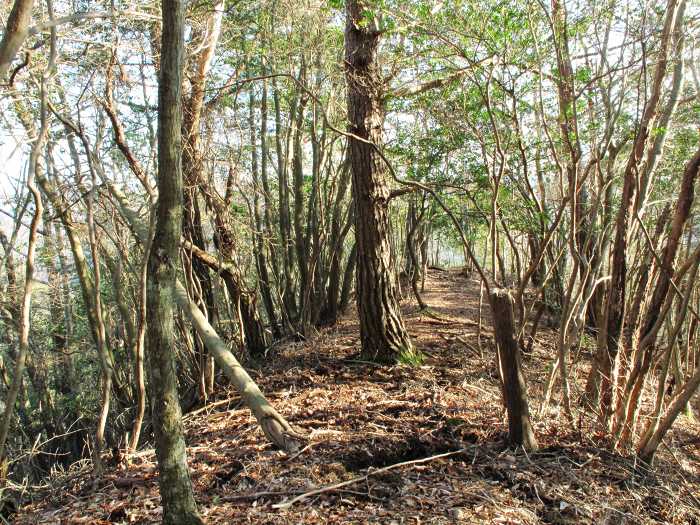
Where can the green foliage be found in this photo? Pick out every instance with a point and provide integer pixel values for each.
(411, 357)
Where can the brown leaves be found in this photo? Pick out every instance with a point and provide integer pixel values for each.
(361, 417)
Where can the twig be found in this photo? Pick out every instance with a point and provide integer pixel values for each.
(256, 495)
(469, 347)
(307, 447)
(209, 406)
(336, 486)
(440, 322)
(361, 362)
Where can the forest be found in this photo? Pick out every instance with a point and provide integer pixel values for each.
(349, 261)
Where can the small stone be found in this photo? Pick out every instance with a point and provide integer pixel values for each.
(458, 514)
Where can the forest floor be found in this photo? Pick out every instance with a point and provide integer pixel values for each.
(360, 418)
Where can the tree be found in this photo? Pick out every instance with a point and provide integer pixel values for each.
(520, 432)
(17, 19)
(179, 507)
(382, 332)
(26, 303)
(603, 372)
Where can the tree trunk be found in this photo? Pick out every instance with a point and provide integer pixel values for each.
(264, 280)
(348, 280)
(15, 33)
(193, 174)
(606, 356)
(414, 268)
(382, 332)
(520, 431)
(647, 448)
(655, 312)
(175, 487)
(339, 232)
(25, 311)
(286, 248)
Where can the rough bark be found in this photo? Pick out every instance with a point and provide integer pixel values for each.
(514, 388)
(382, 332)
(175, 486)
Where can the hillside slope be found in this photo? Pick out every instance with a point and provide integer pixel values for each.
(361, 417)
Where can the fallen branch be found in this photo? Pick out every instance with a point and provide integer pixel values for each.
(211, 406)
(272, 423)
(256, 495)
(467, 345)
(336, 486)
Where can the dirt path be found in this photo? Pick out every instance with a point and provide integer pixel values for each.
(360, 417)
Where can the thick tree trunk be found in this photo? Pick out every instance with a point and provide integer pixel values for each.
(175, 487)
(382, 332)
(520, 431)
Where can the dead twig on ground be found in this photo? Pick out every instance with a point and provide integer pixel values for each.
(336, 486)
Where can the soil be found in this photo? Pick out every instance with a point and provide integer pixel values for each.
(361, 417)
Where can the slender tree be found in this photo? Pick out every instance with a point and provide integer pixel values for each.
(35, 165)
(179, 507)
